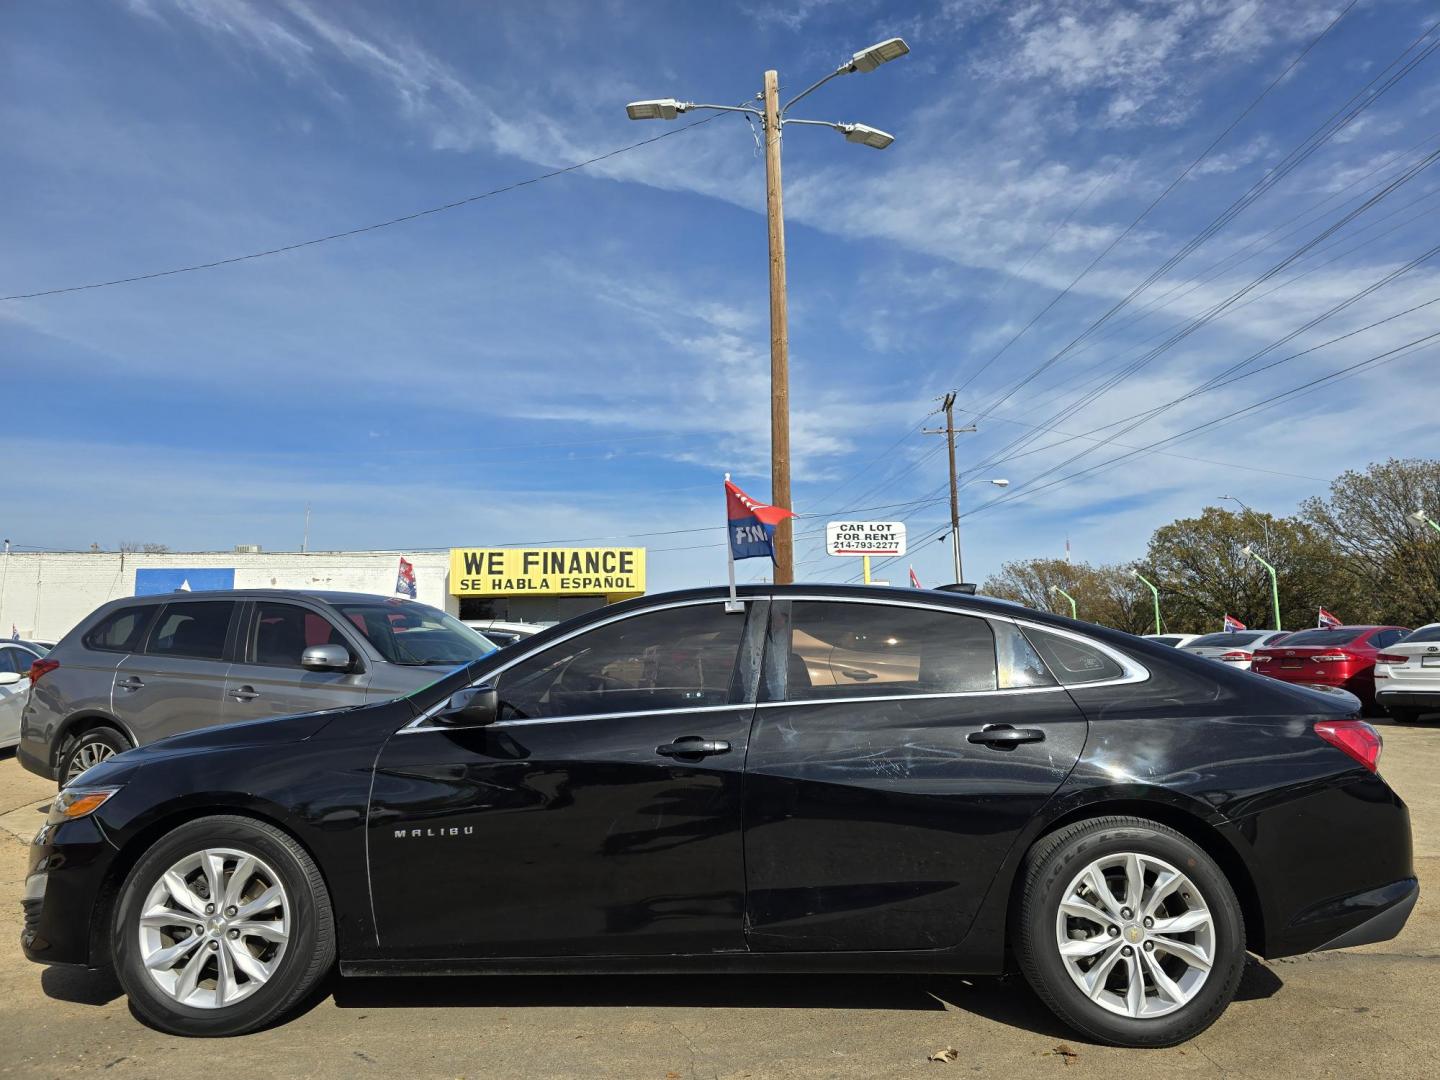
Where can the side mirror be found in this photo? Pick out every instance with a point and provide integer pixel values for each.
(326, 658)
(10, 678)
(475, 705)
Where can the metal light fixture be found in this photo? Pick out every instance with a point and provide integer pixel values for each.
(866, 135)
(1419, 517)
(1002, 482)
(881, 53)
(658, 109)
(1247, 551)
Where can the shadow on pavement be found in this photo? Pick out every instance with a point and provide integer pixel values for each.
(79, 986)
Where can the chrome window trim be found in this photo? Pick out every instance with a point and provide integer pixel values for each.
(1134, 672)
(421, 722)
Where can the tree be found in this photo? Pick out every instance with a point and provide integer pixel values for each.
(1204, 574)
(1103, 594)
(1390, 564)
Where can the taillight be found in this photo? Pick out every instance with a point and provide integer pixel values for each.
(42, 667)
(1392, 658)
(1355, 737)
(1236, 654)
(1332, 658)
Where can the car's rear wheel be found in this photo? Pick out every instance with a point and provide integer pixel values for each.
(1129, 932)
(222, 927)
(90, 748)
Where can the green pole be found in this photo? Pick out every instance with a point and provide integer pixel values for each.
(1420, 517)
(1067, 596)
(1154, 590)
(1274, 584)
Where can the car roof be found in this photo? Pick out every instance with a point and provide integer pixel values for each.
(328, 596)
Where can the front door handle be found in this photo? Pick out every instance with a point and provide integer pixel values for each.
(1005, 737)
(693, 746)
(132, 683)
(244, 693)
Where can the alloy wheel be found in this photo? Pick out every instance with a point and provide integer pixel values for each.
(214, 928)
(1135, 935)
(92, 753)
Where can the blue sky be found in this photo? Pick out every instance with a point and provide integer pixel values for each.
(583, 358)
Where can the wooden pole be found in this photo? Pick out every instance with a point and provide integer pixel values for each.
(954, 486)
(779, 337)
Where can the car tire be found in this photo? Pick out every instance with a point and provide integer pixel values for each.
(89, 748)
(263, 952)
(1187, 977)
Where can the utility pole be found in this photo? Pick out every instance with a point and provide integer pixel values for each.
(305, 540)
(774, 115)
(950, 431)
(779, 337)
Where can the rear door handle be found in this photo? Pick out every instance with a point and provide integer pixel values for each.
(244, 693)
(132, 683)
(693, 746)
(1005, 737)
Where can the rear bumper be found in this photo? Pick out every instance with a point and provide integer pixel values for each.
(40, 766)
(1381, 914)
(1411, 699)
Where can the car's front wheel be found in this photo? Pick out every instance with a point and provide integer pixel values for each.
(1130, 932)
(222, 927)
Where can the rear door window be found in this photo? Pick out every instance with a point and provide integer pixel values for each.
(841, 650)
(194, 629)
(121, 631)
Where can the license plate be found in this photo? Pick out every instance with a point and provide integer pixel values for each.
(1430, 661)
(1290, 663)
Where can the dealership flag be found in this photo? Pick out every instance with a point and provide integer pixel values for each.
(751, 528)
(1327, 621)
(914, 581)
(1232, 623)
(405, 581)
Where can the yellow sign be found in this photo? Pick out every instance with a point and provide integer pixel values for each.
(613, 572)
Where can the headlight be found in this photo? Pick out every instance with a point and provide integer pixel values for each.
(73, 803)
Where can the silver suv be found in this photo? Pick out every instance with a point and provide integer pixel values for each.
(142, 668)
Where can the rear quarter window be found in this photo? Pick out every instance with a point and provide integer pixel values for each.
(122, 630)
(1072, 661)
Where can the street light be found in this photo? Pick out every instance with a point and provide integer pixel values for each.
(1264, 522)
(1155, 590)
(773, 118)
(999, 482)
(1419, 517)
(1056, 589)
(1274, 581)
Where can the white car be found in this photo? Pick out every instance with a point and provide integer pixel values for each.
(503, 633)
(1234, 647)
(15, 660)
(1407, 674)
(1175, 641)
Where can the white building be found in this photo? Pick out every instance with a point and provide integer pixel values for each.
(44, 594)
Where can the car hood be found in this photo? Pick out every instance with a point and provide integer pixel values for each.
(277, 729)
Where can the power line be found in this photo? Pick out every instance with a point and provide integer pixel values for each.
(359, 230)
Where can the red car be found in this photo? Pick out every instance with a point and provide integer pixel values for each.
(1341, 656)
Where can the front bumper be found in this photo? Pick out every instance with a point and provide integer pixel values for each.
(69, 864)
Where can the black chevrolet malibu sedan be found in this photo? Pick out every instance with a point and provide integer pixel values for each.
(827, 779)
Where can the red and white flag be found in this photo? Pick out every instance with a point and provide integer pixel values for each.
(1327, 621)
(914, 581)
(1232, 623)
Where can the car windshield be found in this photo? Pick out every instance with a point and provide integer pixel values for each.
(1323, 637)
(413, 634)
(1225, 641)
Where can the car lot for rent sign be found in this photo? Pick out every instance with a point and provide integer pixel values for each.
(865, 538)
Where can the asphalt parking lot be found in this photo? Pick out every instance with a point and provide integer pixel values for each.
(1359, 1013)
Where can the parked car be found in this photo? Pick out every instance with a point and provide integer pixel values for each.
(1234, 647)
(146, 667)
(1407, 674)
(831, 779)
(1342, 656)
(16, 657)
(504, 633)
(1175, 641)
